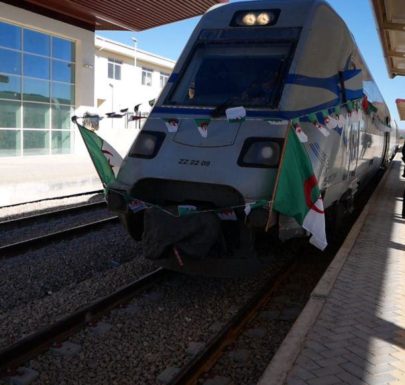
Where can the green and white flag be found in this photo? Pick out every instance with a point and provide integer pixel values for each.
(298, 194)
(202, 126)
(105, 158)
(186, 210)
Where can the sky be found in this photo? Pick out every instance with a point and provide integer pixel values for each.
(169, 41)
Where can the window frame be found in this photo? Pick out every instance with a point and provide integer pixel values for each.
(147, 73)
(116, 68)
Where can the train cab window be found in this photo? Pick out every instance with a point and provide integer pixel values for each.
(233, 74)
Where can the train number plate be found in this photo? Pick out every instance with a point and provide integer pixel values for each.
(194, 162)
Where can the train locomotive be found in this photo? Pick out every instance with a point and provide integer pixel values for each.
(213, 141)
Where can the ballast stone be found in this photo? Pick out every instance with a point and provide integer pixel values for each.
(100, 328)
(218, 380)
(194, 348)
(67, 349)
(167, 375)
(256, 333)
(239, 356)
(24, 376)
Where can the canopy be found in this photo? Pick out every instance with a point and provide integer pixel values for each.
(390, 15)
(135, 15)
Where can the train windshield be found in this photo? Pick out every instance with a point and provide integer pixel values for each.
(233, 74)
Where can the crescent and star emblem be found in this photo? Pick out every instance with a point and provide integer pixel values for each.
(309, 184)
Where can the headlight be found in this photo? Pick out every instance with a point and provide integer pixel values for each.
(249, 19)
(260, 18)
(263, 18)
(147, 144)
(260, 152)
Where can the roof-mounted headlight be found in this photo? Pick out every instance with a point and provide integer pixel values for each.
(263, 18)
(249, 19)
(259, 18)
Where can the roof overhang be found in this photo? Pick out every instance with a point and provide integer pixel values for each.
(134, 15)
(390, 15)
(401, 108)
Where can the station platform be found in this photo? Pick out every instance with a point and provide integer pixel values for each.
(28, 179)
(352, 330)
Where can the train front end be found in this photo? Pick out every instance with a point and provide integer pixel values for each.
(196, 182)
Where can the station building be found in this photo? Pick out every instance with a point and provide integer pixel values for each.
(52, 66)
(126, 77)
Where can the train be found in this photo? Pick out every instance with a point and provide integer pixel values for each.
(212, 144)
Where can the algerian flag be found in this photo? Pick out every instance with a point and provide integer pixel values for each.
(298, 194)
(202, 126)
(314, 120)
(227, 215)
(299, 131)
(235, 114)
(329, 121)
(186, 210)
(103, 155)
(172, 125)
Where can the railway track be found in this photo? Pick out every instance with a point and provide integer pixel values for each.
(13, 249)
(15, 355)
(213, 361)
(11, 224)
(28, 224)
(195, 369)
(54, 198)
(208, 363)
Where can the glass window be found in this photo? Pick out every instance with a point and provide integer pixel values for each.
(163, 79)
(147, 77)
(61, 142)
(61, 116)
(10, 36)
(36, 115)
(36, 90)
(36, 42)
(36, 142)
(63, 71)
(233, 75)
(63, 93)
(36, 66)
(10, 87)
(10, 62)
(63, 49)
(10, 142)
(114, 69)
(10, 114)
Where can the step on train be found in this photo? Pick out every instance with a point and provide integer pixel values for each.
(213, 141)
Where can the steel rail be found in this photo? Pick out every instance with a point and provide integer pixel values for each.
(215, 348)
(31, 346)
(54, 198)
(12, 249)
(25, 221)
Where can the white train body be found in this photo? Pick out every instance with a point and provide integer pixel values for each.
(312, 65)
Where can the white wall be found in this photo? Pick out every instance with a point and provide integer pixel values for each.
(115, 95)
